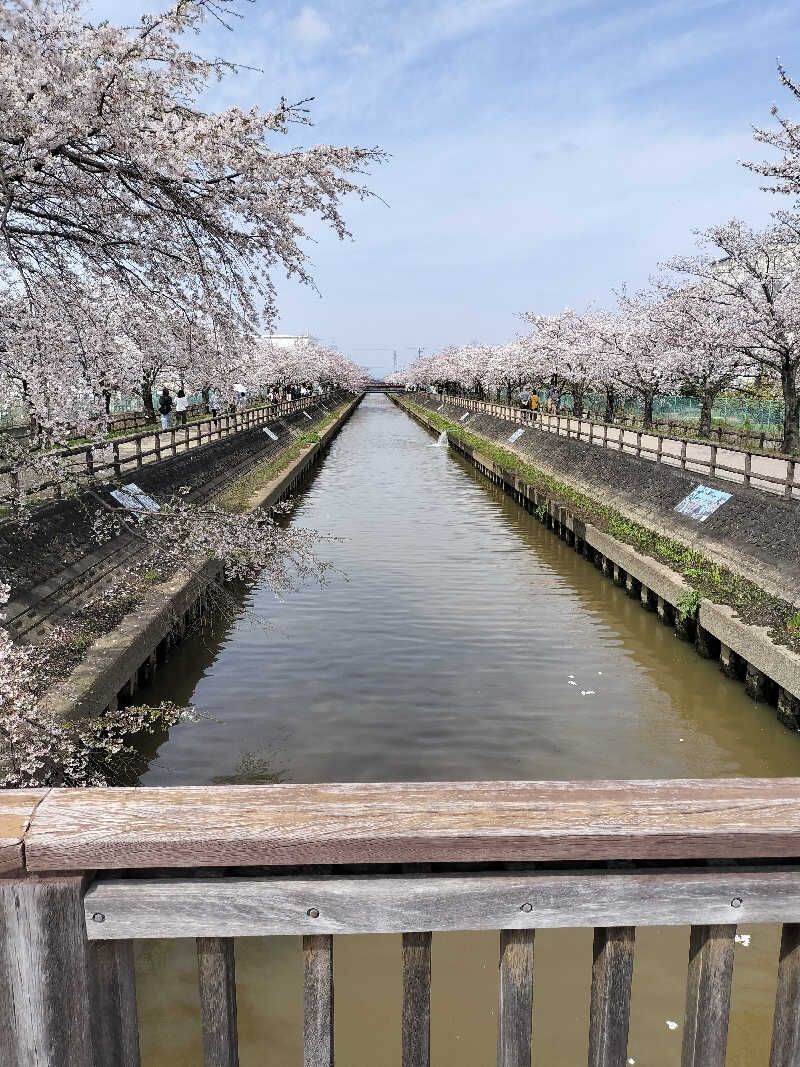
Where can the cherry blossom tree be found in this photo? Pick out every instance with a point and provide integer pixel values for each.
(704, 332)
(755, 275)
(647, 364)
(785, 172)
(110, 168)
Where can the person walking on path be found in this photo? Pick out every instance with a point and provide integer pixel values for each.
(181, 404)
(165, 410)
(524, 397)
(534, 405)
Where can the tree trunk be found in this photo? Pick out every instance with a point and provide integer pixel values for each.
(207, 400)
(706, 404)
(147, 397)
(611, 403)
(649, 398)
(577, 402)
(791, 402)
(107, 400)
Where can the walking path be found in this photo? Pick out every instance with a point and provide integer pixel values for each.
(758, 470)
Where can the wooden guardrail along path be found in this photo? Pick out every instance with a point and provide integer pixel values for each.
(753, 468)
(123, 455)
(410, 858)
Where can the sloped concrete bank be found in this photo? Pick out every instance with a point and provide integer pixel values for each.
(769, 671)
(754, 533)
(119, 662)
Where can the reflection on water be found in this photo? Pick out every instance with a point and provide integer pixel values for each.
(459, 640)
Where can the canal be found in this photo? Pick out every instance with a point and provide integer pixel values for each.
(455, 638)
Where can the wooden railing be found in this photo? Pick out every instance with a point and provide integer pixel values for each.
(771, 471)
(761, 440)
(121, 455)
(510, 856)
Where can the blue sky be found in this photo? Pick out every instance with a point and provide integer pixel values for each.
(542, 153)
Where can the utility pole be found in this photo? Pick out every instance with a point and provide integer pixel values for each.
(394, 360)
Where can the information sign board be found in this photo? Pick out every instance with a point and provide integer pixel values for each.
(516, 435)
(702, 502)
(269, 433)
(131, 496)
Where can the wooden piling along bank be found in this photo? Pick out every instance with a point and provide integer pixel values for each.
(770, 672)
(88, 872)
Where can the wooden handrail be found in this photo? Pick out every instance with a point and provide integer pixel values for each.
(80, 829)
(67, 974)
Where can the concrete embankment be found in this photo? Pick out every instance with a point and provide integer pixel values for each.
(769, 670)
(119, 662)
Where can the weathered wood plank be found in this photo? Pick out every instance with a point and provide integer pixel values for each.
(609, 1013)
(44, 986)
(416, 1025)
(262, 906)
(318, 1001)
(708, 996)
(115, 1027)
(413, 822)
(515, 1010)
(786, 1026)
(16, 809)
(216, 971)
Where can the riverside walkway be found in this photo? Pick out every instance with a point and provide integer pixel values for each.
(91, 461)
(750, 467)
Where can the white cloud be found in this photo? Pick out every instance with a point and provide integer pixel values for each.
(310, 28)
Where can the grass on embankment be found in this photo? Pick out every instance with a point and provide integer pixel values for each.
(708, 579)
(238, 495)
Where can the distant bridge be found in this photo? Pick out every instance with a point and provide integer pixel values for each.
(375, 386)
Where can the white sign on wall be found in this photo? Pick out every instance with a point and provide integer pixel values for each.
(269, 433)
(464, 416)
(702, 502)
(516, 435)
(131, 496)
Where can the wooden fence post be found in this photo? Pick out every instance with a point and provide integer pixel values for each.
(416, 1037)
(609, 1013)
(217, 976)
(514, 1017)
(44, 973)
(786, 1025)
(115, 1028)
(708, 996)
(318, 1001)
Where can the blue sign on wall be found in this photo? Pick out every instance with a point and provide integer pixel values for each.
(702, 502)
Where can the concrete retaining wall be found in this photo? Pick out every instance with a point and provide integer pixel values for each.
(770, 672)
(754, 533)
(120, 661)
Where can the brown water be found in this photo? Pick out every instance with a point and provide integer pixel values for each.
(445, 647)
